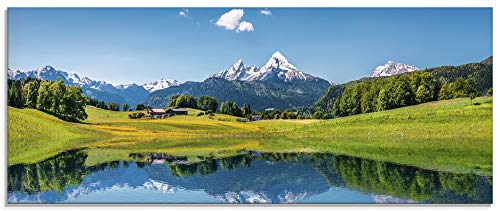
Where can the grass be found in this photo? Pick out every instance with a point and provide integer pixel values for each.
(452, 135)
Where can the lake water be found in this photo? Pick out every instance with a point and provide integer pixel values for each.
(250, 177)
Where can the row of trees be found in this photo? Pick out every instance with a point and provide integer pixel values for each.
(64, 101)
(231, 108)
(399, 91)
(205, 103)
(106, 106)
(277, 114)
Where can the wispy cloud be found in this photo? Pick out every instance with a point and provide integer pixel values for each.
(266, 12)
(245, 26)
(231, 21)
(184, 13)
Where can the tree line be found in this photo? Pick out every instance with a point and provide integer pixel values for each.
(63, 101)
(106, 106)
(204, 103)
(478, 73)
(399, 91)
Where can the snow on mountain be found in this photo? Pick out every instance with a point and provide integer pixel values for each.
(49, 73)
(277, 67)
(386, 199)
(237, 71)
(392, 68)
(101, 90)
(161, 84)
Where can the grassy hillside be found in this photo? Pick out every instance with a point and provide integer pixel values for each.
(451, 135)
(447, 135)
(34, 135)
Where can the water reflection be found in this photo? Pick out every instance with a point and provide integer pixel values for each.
(250, 177)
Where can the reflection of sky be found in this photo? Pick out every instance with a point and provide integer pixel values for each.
(279, 182)
(339, 195)
(142, 195)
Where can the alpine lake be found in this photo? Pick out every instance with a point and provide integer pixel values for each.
(250, 177)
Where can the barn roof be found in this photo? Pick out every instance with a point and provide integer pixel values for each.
(157, 110)
(179, 109)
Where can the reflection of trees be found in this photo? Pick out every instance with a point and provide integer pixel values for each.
(52, 174)
(55, 173)
(203, 168)
(365, 175)
(271, 173)
(410, 182)
(209, 165)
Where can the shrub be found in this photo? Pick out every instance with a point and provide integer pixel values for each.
(136, 115)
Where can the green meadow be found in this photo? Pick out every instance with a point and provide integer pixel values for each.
(451, 135)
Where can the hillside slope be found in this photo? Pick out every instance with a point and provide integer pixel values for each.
(260, 95)
(482, 73)
(447, 135)
(33, 134)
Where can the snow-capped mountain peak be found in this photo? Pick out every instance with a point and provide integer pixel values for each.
(278, 57)
(392, 68)
(237, 71)
(276, 68)
(160, 84)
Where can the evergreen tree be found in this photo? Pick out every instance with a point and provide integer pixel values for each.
(15, 95)
(246, 111)
(125, 107)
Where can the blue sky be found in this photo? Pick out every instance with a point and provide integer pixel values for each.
(138, 45)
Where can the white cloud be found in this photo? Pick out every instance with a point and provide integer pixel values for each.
(230, 20)
(184, 12)
(245, 26)
(266, 12)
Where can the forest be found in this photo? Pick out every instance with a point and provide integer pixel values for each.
(63, 101)
(399, 91)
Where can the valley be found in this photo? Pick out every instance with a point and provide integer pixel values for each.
(450, 135)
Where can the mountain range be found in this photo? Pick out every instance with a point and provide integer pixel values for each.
(276, 84)
(131, 94)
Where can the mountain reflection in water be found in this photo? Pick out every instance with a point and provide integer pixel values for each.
(250, 177)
